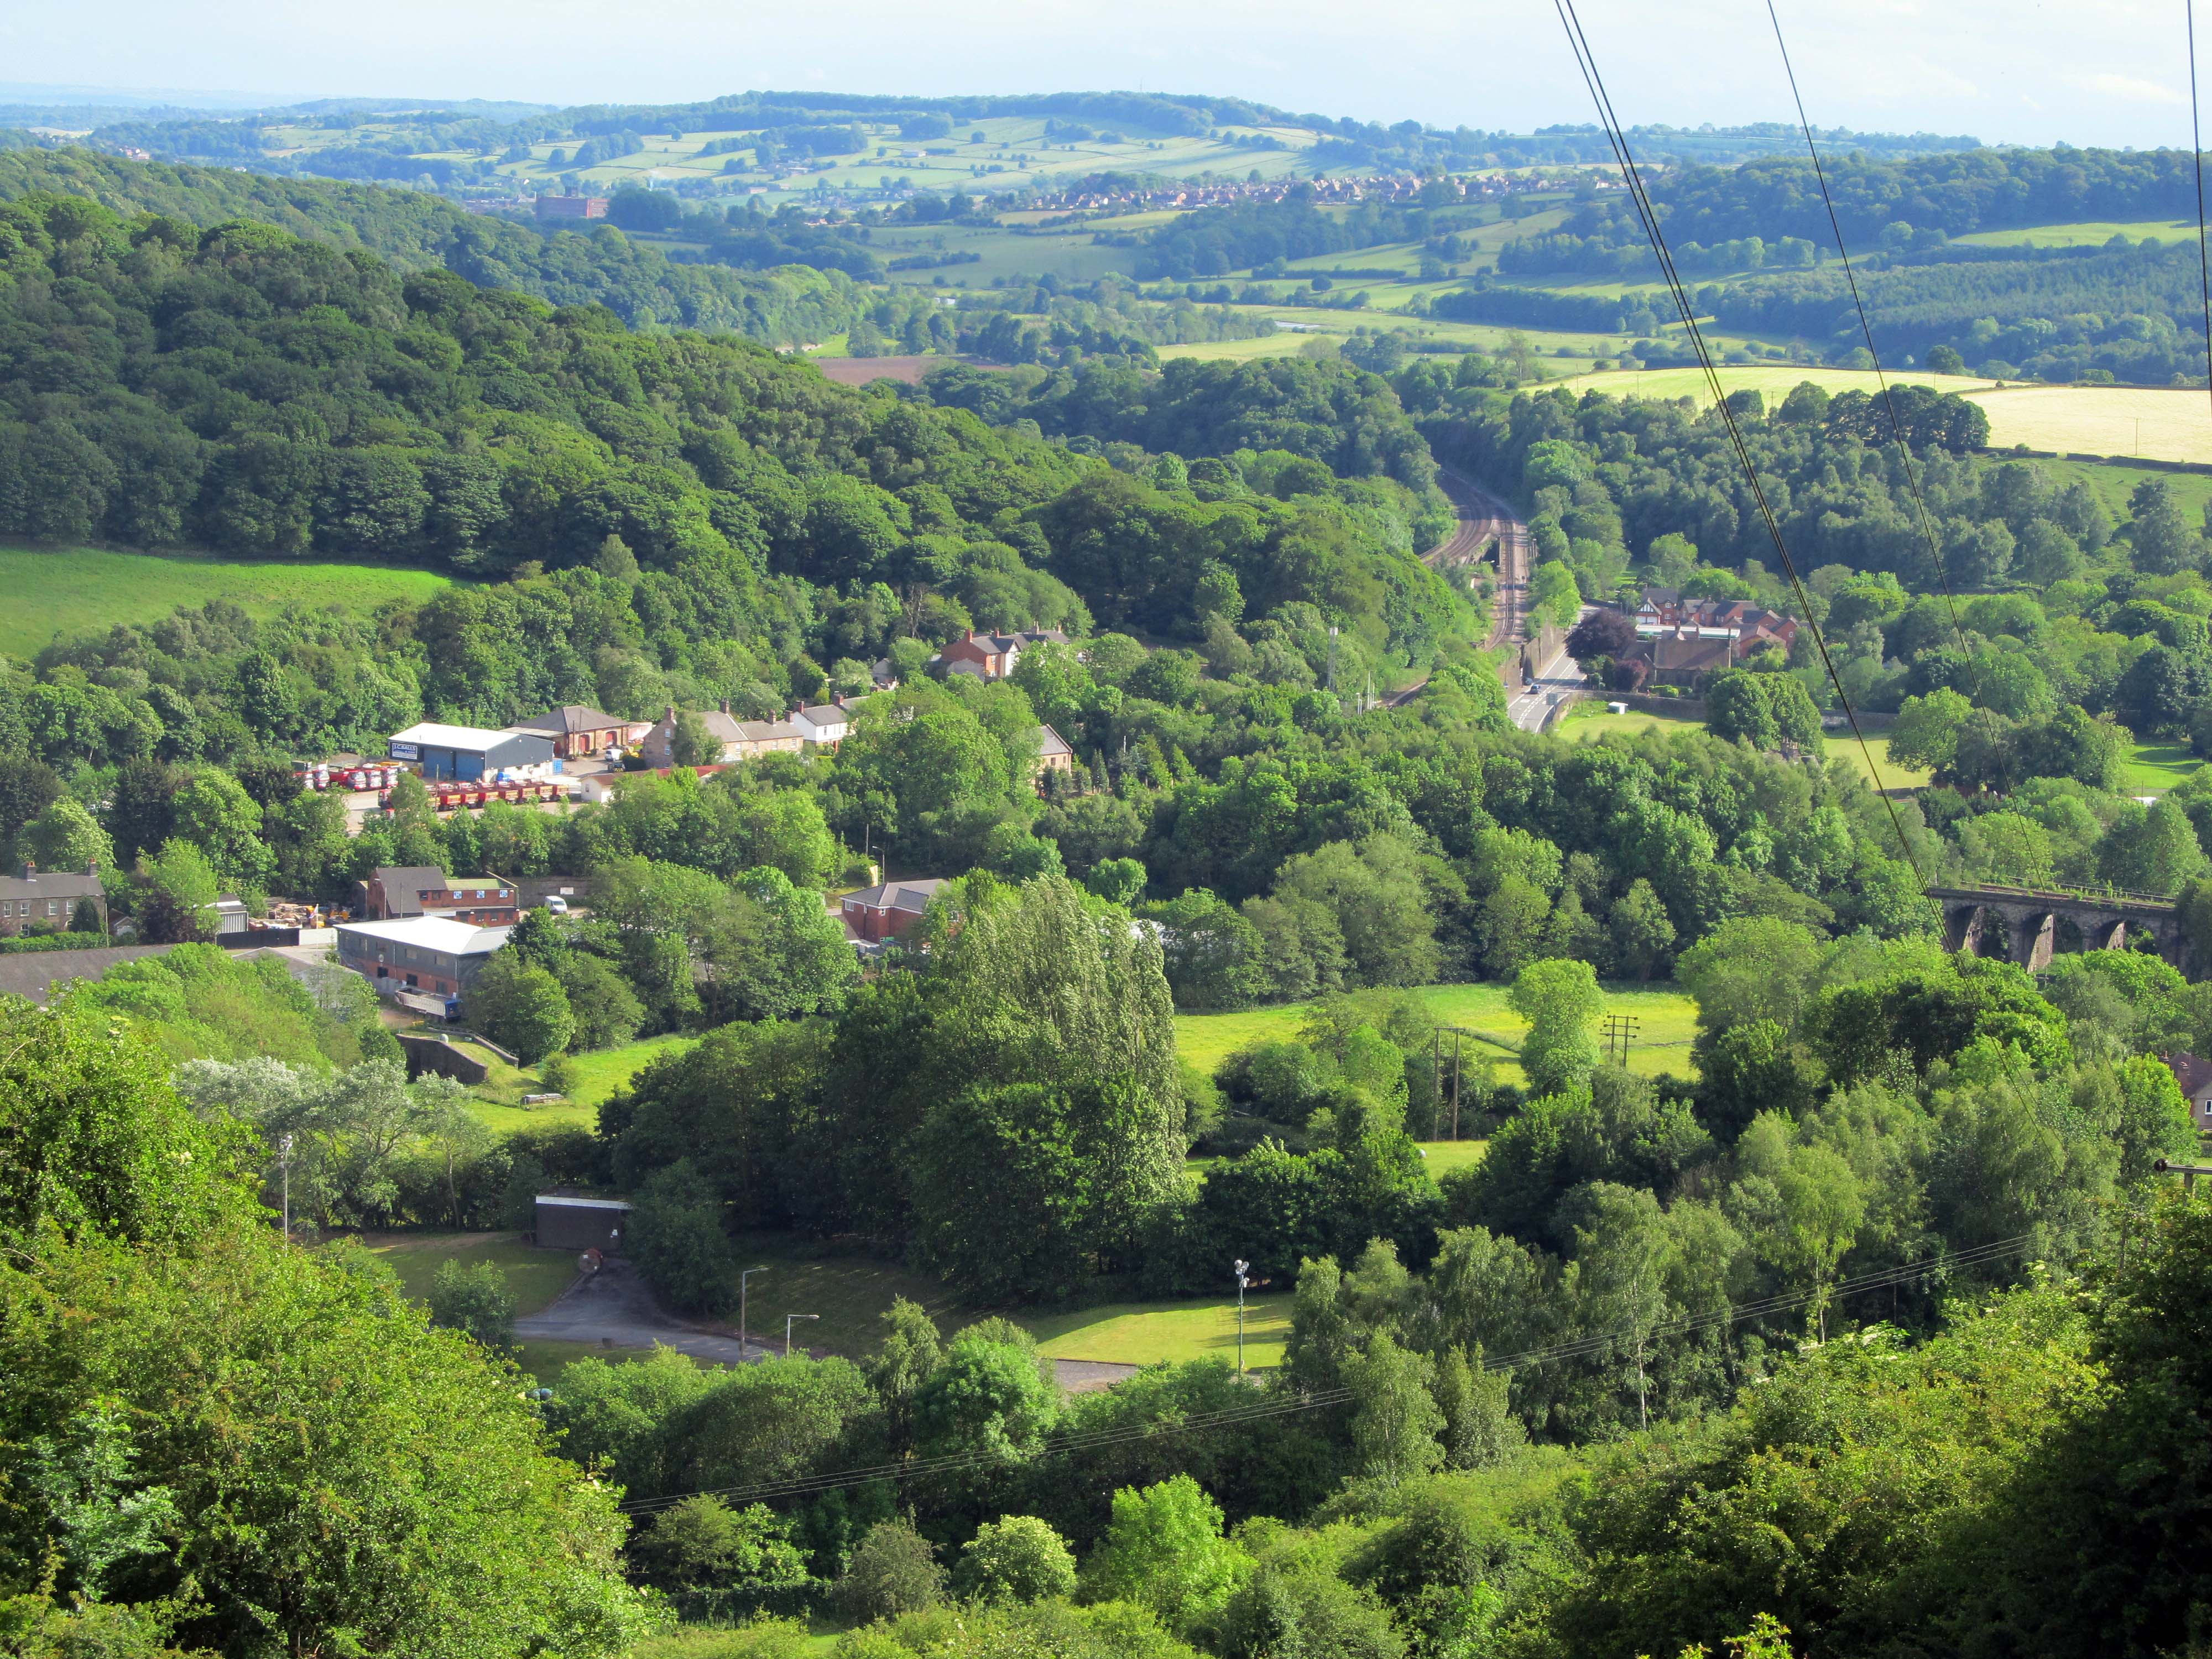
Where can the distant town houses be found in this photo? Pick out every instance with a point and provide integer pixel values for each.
(1681, 638)
(992, 656)
(576, 730)
(46, 901)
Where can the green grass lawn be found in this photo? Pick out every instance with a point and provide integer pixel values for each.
(1446, 1157)
(1667, 1020)
(1871, 763)
(536, 1276)
(2112, 482)
(66, 592)
(499, 1105)
(2152, 769)
(1149, 1332)
(2095, 234)
(851, 1292)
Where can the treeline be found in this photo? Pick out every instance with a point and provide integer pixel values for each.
(1251, 234)
(1955, 193)
(415, 230)
(1349, 421)
(2131, 313)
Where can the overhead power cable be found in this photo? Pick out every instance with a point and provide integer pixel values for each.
(1632, 176)
(2197, 165)
(1881, 377)
(807, 1485)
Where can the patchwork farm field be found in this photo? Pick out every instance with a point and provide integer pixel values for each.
(2092, 234)
(2101, 420)
(62, 593)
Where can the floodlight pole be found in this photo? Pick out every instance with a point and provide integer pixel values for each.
(1242, 1267)
(742, 1278)
(789, 1319)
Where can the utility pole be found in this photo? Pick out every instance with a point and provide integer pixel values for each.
(1242, 1268)
(789, 1319)
(284, 1160)
(1619, 1032)
(742, 1278)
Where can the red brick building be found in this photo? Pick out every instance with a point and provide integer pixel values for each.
(876, 913)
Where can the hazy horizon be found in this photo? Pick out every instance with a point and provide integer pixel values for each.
(2105, 72)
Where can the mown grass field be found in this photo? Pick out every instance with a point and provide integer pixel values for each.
(2101, 420)
(2113, 481)
(64, 593)
(1149, 1332)
(536, 1276)
(1667, 1017)
(2154, 767)
(499, 1105)
(1884, 773)
(2093, 234)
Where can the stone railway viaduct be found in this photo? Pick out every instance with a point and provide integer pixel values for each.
(2029, 927)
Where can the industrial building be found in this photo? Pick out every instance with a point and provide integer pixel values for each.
(468, 752)
(420, 958)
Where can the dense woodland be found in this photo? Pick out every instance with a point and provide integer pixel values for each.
(1870, 1324)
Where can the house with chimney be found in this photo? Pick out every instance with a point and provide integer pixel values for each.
(993, 656)
(823, 723)
(577, 729)
(1683, 639)
(35, 901)
(738, 739)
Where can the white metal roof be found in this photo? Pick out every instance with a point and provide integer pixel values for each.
(584, 1203)
(438, 736)
(457, 938)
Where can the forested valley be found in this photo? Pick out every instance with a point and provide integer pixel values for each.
(1862, 1319)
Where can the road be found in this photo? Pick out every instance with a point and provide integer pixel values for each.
(1559, 680)
(614, 1308)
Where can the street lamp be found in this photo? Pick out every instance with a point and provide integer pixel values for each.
(789, 1319)
(284, 1162)
(1242, 1268)
(742, 1278)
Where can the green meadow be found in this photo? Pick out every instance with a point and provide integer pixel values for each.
(1666, 1015)
(64, 593)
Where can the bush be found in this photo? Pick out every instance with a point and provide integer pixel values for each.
(1019, 1558)
(893, 1571)
(478, 1300)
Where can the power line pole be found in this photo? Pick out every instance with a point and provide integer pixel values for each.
(1620, 1031)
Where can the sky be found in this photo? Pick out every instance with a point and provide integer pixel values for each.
(2087, 71)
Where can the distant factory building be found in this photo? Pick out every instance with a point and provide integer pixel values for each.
(468, 752)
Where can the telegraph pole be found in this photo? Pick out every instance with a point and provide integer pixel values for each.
(284, 1148)
(1620, 1031)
